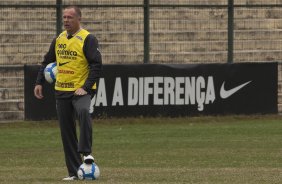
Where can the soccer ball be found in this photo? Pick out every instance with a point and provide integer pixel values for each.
(50, 72)
(88, 172)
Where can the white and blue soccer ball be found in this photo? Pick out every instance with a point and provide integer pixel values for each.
(50, 72)
(88, 172)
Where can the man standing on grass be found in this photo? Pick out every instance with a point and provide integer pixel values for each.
(79, 64)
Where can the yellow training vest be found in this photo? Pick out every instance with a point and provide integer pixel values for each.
(71, 62)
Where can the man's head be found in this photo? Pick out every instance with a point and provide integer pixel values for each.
(71, 19)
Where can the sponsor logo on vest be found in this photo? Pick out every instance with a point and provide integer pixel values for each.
(65, 71)
(66, 53)
(61, 64)
(79, 37)
(62, 46)
(64, 84)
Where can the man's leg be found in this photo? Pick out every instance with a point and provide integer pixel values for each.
(82, 105)
(66, 118)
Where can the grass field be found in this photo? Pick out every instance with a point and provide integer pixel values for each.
(229, 149)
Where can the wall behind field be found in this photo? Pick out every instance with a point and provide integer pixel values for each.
(180, 32)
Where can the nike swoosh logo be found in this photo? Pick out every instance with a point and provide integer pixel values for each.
(61, 64)
(227, 93)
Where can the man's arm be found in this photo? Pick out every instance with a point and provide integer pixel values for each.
(49, 57)
(94, 58)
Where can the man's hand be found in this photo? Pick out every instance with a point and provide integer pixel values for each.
(80, 92)
(38, 91)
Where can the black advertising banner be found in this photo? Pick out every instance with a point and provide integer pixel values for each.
(171, 90)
